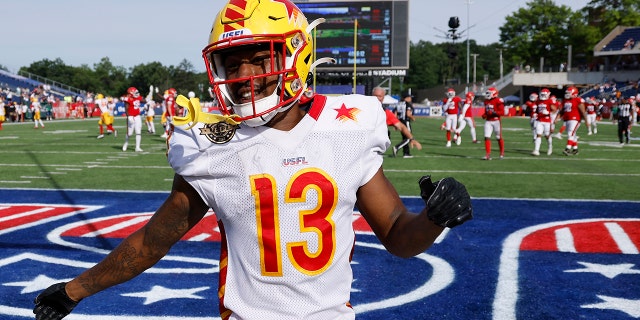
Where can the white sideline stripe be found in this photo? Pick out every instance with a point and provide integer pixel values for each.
(621, 238)
(69, 169)
(25, 214)
(200, 237)
(116, 227)
(82, 166)
(564, 240)
(33, 177)
(12, 181)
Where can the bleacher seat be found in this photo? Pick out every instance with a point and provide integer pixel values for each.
(618, 42)
(14, 81)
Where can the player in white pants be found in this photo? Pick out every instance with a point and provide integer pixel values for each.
(133, 101)
(466, 118)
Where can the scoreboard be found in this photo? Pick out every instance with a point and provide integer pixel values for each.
(382, 33)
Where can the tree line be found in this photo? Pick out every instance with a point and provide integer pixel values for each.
(539, 30)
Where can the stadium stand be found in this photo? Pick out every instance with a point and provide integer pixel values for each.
(14, 81)
(619, 42)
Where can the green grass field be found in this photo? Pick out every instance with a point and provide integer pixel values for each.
(67, 155)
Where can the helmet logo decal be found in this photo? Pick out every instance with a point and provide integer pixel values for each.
(234, 15)
(291, 8)
(219, 133)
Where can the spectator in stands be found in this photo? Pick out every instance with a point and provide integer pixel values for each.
(629, 44)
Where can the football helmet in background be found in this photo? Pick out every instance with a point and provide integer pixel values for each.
(571, 92)
(133, 92)
(533, 97)
(471, 95)
(451, 93)
(545, 94)
(491, 93)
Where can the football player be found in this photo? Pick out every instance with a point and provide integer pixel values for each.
(2, 111)
(466, 118)
(35, 109)
(531, 106)
(573, 112)
(106, 116)
(544, 109)
(451, 107)
(493, 112)
(287, 231)
(170, 109)
(133, 102)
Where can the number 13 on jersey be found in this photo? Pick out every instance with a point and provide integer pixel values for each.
(317, 220)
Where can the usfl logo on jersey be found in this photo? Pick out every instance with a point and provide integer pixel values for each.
(516, 260)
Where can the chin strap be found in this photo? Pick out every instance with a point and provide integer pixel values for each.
(195, 114)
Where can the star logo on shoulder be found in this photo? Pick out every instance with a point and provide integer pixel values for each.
(345, 114)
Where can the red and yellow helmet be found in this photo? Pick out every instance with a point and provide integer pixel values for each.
(277, 25)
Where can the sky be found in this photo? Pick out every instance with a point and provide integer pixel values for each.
(133, 32)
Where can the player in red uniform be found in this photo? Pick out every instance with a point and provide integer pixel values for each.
(171, 109)
(573, 112)
(466, 118)
(544, 108)
(133, 103)
(493, 111)
(554, 115)
(531, 106)
(451, 107)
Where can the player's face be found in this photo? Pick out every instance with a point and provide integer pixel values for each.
(250, 63)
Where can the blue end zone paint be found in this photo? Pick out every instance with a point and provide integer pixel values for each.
(465, 276)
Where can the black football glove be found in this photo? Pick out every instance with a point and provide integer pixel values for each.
(448, 202)
(53, 303)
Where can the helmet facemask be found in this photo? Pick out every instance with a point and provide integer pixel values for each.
(255, 98)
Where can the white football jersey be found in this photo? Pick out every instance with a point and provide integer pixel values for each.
(285, 200)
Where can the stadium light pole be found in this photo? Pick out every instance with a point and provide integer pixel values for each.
(468, 3)
(475, 55)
